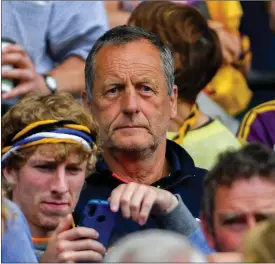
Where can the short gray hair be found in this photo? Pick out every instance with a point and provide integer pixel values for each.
(154, 245)
(123, 35)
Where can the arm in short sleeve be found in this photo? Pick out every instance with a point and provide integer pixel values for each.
(74, 28)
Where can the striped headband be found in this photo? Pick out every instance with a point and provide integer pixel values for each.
(48, 131)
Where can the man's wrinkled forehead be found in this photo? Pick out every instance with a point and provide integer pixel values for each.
(253, 195)
(139, 52)
(124, 62)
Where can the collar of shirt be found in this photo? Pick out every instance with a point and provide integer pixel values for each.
(181, 165)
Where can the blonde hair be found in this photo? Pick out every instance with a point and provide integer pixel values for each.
(259, 243)
(36, 107)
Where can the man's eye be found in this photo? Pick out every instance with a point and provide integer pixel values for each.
(145, 88)
(112, 91)
(236, 224)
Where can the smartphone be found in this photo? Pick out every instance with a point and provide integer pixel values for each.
(98, 215)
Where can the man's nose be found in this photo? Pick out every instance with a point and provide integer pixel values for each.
(130, 101)
(59, 181)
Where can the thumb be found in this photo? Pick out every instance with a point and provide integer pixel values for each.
(64, 224)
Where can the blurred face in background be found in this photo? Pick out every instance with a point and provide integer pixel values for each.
(238, 208)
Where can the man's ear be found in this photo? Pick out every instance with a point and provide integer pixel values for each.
(85, 101)
(10, 175)
(207, 233)
(173, 101)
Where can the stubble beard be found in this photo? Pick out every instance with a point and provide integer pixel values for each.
(134, 151)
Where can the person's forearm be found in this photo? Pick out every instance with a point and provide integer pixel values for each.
(179, 220)
(70, 75)
(182, 221)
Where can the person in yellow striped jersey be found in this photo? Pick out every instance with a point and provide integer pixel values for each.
(197, 58)
(48, 148)
(258, 125)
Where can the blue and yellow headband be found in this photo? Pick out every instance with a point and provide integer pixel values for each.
(48, 131)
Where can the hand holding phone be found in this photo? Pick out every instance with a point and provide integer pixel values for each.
(97, 215)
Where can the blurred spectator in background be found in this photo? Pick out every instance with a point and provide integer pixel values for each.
(256, 23)
(239, 192)
(52, 39)
(153, 246)
(224, 17)
(259, 243)
(259, 125)
(47, 152)
(16, 246)
(197, 58)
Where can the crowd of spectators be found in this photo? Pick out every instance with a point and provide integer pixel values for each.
(138, 131)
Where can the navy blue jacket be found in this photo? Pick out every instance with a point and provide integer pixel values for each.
(185, 179)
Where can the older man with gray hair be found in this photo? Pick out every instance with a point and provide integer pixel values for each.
(130, 92)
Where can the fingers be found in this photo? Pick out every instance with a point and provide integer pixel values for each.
(19, 90)
(78, 233)
(74, 245)
(137, 202)
(17, 73)
(87, 256)
(18, 59)
(134, 200)
(13, 48)
(65, 224)
(231, 46)
(23, 71)
(228, 57)
(125, 199)
(114, 199)
(37, 85)
(81, 245)
(147, 204)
